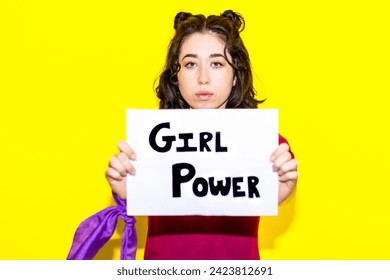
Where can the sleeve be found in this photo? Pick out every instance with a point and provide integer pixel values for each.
(283, 140)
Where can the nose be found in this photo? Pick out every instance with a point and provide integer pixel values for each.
(203, 77)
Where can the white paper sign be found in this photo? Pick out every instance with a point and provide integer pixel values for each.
(202, 162)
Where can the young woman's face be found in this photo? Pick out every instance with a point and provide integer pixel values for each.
(205, 77)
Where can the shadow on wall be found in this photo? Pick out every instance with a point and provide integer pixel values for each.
(272, 227)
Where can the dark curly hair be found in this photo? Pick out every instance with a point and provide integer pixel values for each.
(227, 26)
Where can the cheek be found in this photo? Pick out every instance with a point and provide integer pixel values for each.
(183, 86)
(185, 81)
(226, 82)
(228, 90)
(181, 79)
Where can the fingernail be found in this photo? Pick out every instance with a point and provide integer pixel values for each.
(120, 144)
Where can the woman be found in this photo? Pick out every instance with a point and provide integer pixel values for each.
(207, 67)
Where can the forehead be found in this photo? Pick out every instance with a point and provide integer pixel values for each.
(198, 43)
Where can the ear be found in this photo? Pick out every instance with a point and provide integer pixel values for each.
(234, 80)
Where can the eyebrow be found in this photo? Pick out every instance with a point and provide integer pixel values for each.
(196, 56)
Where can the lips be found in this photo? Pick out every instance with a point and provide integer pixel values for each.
(203, 95)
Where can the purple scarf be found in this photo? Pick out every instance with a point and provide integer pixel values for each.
(96, 230)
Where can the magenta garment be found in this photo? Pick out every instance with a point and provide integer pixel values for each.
(96, 230)
(203, 237)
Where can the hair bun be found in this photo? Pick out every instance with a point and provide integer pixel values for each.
(236, 18)
(180, 17)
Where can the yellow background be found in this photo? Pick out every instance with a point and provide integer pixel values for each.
(69, 69)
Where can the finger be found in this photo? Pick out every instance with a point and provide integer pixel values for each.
(290, 165)
(113, 174)
(289, 176)
(125, 148)
(118, 166)
(126, 162)
(280, 160)
(280, 150)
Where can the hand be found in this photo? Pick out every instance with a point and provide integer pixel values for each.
(286, 167)
(119, 166)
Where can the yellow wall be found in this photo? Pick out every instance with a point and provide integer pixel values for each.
(69, 69)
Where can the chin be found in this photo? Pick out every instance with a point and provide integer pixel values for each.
(205, 106)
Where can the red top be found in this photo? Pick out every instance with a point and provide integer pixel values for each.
(203, 237)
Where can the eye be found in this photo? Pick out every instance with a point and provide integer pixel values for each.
(190, 65)
(216, 64)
